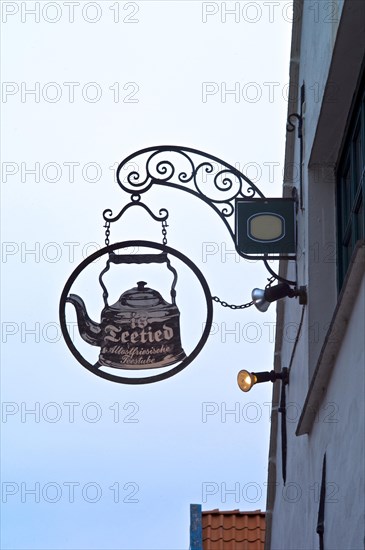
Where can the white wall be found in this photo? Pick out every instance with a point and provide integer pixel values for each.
(326, 32)
(338, 432)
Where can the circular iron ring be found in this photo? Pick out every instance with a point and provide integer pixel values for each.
(149, 379)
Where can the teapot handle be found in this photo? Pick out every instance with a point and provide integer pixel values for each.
(138, 259)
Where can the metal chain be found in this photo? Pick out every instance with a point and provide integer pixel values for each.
(243, 306)
(107, 233)
(231, 306)
(164, 232)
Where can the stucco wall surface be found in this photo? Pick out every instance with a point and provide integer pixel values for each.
(339, 432)
(320, 21)
(316, 221)
(330, 32)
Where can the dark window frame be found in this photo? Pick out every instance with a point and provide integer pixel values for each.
(350, 186)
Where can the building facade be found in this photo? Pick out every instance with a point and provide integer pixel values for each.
(316, 487)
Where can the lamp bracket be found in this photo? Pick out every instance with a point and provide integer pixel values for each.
(275, 275)
(302, 295)
(285, 375)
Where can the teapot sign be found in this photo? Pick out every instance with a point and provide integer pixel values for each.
(140, 331)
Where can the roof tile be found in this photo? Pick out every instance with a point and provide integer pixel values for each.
(233, 530)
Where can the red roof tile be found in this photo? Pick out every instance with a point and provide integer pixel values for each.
(233, 530)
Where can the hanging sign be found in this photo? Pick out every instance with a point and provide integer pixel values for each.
(141, 330)
(265, 226)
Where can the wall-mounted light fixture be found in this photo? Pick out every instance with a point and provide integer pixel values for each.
(247, 379)
(263, 298)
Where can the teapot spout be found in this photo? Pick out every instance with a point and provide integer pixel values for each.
(88, 329)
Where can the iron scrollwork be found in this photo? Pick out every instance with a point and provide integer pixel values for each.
(207, 177)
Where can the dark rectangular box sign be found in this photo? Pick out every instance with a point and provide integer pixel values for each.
(265, 226)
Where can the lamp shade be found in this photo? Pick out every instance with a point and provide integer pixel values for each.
(263, 298)
(258, 297)
(246, 380)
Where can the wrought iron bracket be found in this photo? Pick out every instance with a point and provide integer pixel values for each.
(108, 214)
(200, 174)
(290, 127)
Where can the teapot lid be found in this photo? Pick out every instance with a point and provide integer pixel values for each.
(141, 296)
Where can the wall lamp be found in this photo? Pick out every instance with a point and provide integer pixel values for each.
(263, 298)
(245, 382)
(247, 379)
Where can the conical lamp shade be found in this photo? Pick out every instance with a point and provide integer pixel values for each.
(246, 380)
(258, 297)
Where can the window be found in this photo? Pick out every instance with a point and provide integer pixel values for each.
(351, 188)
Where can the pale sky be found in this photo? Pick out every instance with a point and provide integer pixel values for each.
(99, 465)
